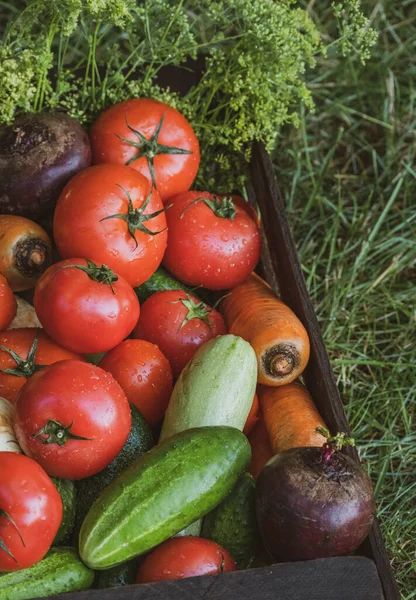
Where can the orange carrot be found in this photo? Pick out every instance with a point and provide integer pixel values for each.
(279, 339)
(290, 417)
(25, 251)
(261, 450)
(253, 416)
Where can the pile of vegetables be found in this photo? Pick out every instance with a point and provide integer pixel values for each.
(161, 380)
(82, 57)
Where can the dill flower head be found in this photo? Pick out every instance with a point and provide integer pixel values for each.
(83, 55)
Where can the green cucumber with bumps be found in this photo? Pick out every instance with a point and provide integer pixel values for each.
(216, 387)
(165, 490)
(139, 441)
(124, 574)
(162, 281)
(233, 524)
(59, 572)
(68, 492)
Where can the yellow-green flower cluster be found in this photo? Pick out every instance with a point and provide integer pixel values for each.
(83, 55)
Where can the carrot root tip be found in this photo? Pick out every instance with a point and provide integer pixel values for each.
(31, 256)
(279, 361)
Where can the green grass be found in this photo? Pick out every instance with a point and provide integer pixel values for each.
(349, 179)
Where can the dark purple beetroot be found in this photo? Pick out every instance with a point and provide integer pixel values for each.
(311, 507)
(39, 154)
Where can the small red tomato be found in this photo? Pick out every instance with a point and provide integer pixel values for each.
(253, 416)
(214, 241)
(23, 352)
(73, 418)
(111, 215)
(30, 512)
(84, 307)
(8, 304)
(179, 324)
(185, 556)
(144, 374)
(152, 138)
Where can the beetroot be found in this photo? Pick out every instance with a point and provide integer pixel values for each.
(313, 503)
(39, 154)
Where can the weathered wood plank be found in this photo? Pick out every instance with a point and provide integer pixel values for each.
(351, 578)
(282, 264)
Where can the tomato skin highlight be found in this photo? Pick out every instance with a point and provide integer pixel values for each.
(208, 250)
(185, 556)
(81, 314)
(174, 173)
(144, 374)
(8, 304)
(21, 341)
(161, 321)
(77, 393)
(30, 498)
(82, 227)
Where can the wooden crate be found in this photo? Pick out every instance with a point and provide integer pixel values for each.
(365, 576)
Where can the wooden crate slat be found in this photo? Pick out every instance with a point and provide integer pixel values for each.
(282, 264)
(351, 578)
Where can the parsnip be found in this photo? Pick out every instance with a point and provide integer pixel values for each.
(8, 441)
(25, 317)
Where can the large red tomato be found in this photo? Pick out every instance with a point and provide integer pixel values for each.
(110, 215)
(30, 512)
(179, 324)
(144, 374)
(8, 305)
(214, 241)
(185, 556)
(72, 418)
(23, 352)
(151, 137)
(84, 307)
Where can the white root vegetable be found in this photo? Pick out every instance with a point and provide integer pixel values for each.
(25, 317)
(8, 441)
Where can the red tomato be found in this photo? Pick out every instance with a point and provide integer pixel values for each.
(84, 307)
(110, 215)
(253, 416)
(30, 512)
(214, 241)
(179, 324)
(252, 212)
(185, 556)
(152, 138)
(23, 352)
(8, 305)
(72, 418)
(144, 374)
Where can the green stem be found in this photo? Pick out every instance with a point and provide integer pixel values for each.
(56, 433)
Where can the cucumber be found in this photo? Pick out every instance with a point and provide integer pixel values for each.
(95, 358)
(165, 490)
(139, 441)
(59, 572)
(233, 523)
(124, 574)
(216, 387)
(68, 492)
(162, 281)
